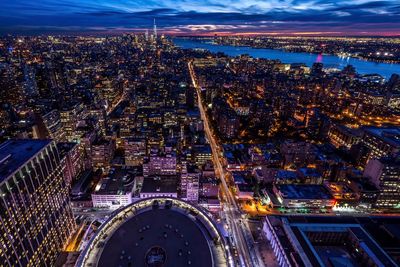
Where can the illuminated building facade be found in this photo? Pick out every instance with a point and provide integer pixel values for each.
(102, 152)
(72, 158)
(115, 189)
(190, 183)
(303, 196)
(382, 141)
(160, 165)
(135, 150)
(54, 127)
(342, 136)
(35, 214)
(69, 120)
(202, 154)
(385, 175)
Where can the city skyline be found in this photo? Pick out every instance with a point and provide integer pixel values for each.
(200, 133)
(206, 17)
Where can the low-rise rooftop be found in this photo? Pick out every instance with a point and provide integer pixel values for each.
(306, 191)
(118, 181)
(160, 184)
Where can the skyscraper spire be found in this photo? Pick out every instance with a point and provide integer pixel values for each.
(155, 30)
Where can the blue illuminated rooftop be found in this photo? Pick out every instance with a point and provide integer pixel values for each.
(390, 135)
(304, 191)
(14, 153)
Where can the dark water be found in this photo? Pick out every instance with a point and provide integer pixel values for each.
(362, 66)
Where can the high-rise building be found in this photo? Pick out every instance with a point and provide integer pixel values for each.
(155, 30)
(100, 116)
(71, 156)
(69, 120)
(229, 124)
(35, 214)
(30, 86)
(190, 183)
(228, 121)
(385, 175)
(53, 125)
(382, 142)
(102, 152)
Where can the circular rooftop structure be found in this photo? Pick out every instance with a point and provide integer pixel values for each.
(156, 232)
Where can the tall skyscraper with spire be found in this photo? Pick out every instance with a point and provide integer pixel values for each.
(155, 30)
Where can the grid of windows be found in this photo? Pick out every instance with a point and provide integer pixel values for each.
(35, 214)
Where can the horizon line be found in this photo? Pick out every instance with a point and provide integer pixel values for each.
(210, 34)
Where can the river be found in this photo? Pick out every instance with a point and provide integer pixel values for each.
(362, 66)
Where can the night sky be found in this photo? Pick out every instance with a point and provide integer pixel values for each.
(203, 17)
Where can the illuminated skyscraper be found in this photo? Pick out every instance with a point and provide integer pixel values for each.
(53, 125)
(155, 30)
(30, 86)
(35, 214)
(385, 175)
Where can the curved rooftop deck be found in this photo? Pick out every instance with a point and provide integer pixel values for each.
(156, 232)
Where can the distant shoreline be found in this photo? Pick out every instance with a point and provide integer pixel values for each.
(300, 51)
(363, 66)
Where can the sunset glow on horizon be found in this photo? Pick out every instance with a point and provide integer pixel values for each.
(205, 17)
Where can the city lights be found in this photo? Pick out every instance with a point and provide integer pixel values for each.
(199, 133)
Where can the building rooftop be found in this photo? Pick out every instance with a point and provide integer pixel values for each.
(389, 135)
(203, 149)
(245, 188)
(239, 177)
(160, 184)
(286, 175)
(151, 238)
(306, 191)
(65, 147)
(194, 113)
(309, 172)
(118, 181)
(101, 142)
(14, 153)
(276, 222)
(82, 185)
(357, 229)
(156, 232)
